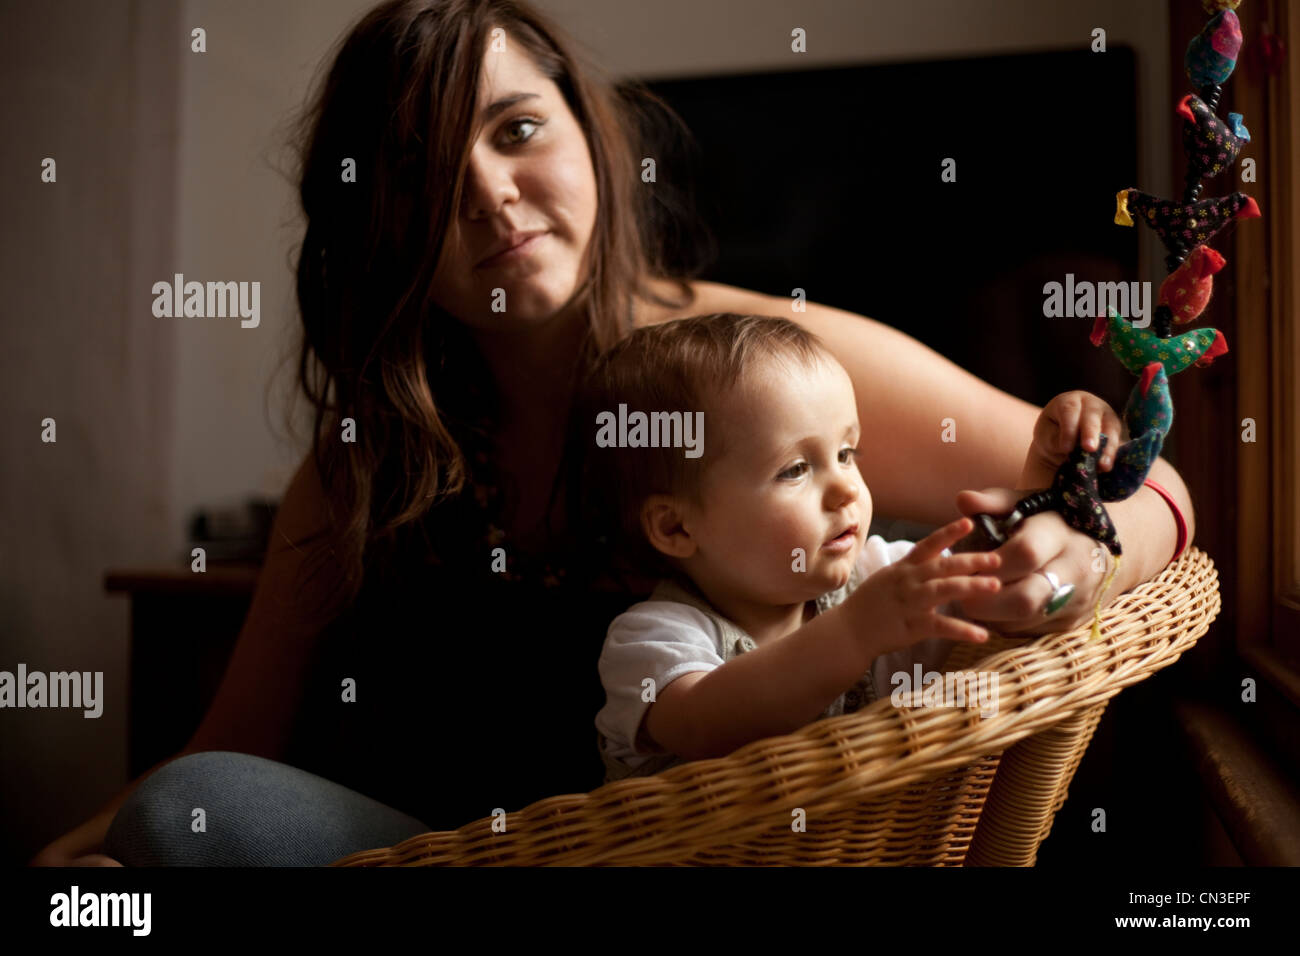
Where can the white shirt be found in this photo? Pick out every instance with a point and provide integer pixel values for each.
(662, 640)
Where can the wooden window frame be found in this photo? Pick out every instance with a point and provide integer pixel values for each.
(1268, 353)
(1247, 495)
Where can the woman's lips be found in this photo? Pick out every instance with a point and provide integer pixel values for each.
(843, 542)
(521, 251)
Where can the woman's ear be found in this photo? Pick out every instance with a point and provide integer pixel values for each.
(661, 520)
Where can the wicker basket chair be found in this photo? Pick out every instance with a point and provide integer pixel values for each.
(924, 786)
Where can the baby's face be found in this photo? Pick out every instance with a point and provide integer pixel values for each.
(785, 509)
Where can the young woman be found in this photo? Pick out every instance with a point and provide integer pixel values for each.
(401, 643)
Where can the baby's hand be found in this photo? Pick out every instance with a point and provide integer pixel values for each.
(1065, 420)
(897, 603)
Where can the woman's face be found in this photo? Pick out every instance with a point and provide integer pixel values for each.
(529, 172)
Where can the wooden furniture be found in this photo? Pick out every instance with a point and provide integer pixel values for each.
(183, 628)
(937, 786)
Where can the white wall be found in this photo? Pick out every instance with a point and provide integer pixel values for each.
(86, 85)
(159, 416)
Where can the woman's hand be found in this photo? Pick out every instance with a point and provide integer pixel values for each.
(1042, 542)
(83, 845)
(91, 859)
(1067, 420)
(57, 855)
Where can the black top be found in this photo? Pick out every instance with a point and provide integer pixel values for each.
(475, 689)
(473, 693)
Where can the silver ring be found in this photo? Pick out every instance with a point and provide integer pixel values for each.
(1060, 594)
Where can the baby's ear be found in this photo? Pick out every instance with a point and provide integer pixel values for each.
(661, 521)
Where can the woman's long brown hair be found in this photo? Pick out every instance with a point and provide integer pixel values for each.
(399, 100)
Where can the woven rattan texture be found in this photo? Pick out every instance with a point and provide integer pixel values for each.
(929, 786)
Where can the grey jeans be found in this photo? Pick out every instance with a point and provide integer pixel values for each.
(256, 812)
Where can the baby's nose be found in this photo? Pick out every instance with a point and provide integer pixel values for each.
(847, 489)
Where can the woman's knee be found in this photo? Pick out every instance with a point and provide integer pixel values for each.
(220, 808)
(157, 823)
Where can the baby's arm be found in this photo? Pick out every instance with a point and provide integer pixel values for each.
(774, 689)
(785, 684)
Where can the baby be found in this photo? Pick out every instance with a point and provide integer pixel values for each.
(774, 605)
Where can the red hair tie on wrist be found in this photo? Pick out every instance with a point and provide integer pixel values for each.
(1179, 520)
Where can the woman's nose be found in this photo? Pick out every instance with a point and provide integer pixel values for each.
(489, 184)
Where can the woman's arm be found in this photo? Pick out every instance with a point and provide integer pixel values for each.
(1147, 528)
(905, 390)
(254, 707)
(297, 596)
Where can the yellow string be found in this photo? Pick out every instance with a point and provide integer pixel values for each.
(1096, 609)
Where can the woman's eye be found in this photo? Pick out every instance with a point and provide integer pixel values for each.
(794, 471)
(847, 455)
(515, 124)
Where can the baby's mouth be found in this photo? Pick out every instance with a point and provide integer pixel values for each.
(843, 540)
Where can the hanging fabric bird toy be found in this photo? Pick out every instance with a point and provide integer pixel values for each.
(1156, 354)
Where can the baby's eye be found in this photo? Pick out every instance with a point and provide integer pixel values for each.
(847, 455)
(794, 471)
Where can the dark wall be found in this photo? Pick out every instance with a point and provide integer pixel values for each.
(829, 180)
